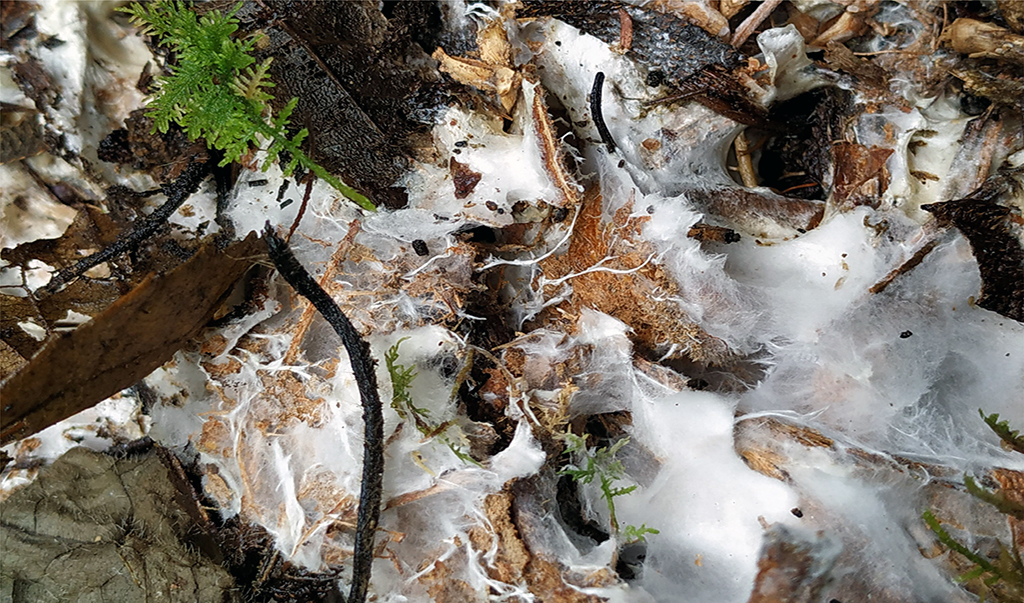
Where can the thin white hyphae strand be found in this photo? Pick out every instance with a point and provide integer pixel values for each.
(534, 261)
(451, 550)
(782, 414)
(448, 252)
(500, 591)
(598, 268)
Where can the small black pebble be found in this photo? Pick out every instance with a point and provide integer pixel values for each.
(732, 237)
(461, 143)
(558, 42)
(287, 202)
(796, 512)
(834, 601)
(622, 163)
(650, 209)
(420, 247)
(559, 214)
(255, 183)
(973, 105)
(905, 334)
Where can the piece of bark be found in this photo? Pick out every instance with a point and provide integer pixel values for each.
(692, 60)
(366, 88)
(860, 175)
(794, 567)
(123, 344)
(631, 287)
(758, 212)
(97, 528)
(998, 251)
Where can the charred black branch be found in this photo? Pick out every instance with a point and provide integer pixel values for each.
(177, 192)
(595, 112)
(373, 417)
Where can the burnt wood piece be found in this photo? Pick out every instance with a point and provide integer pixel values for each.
(366, 88)
(689, 58)
(177, 192)
(373, 414)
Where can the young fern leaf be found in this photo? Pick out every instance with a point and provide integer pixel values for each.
(401, 400)
(250, 84)
(1010, 437)
(999, 500)
(944, 537)
(601, 464)
(215, 93)
(634, 534)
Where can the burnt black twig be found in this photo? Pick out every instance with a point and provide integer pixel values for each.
(373, 417)
(177, 192)
(595, 112)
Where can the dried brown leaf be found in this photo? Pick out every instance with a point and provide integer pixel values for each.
(124, 343)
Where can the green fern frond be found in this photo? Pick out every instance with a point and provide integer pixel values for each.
(250, 84)
(214, 92)
(996, 499)
(401, 400)
(1010, 437)
(634, 534)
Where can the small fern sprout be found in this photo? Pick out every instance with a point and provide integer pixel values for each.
(217, 93)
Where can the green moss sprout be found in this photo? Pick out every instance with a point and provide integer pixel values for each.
(1001, 579)
(401, 400)
(217, 92)
(601, 464)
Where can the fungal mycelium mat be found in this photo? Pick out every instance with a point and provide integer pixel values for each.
(677, 300)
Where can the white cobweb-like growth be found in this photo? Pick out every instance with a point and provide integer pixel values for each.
(830, 417)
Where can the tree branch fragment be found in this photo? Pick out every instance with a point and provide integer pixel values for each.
(373, 417)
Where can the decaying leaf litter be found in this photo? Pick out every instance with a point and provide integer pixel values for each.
(750, 288)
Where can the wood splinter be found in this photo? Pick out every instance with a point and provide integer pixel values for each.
(744, 162)
(373, 417)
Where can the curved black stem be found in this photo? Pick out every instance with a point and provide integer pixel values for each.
(373, 416)
(595, 112)
(177, 192)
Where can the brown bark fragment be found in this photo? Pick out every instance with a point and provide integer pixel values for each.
(631, 293)
(790, 568)
(464, 178)
(860, 177)
(124, 343)
(512, 557)
(551, 151)
(1011, 485)
(444, 589)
